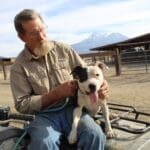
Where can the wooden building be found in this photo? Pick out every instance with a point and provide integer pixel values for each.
(116, 48)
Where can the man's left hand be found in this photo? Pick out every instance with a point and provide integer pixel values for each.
(104, 90)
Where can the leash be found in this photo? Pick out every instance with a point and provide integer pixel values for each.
(15, 147)
(49, 109)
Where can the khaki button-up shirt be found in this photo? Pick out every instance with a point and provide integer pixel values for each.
(31, 77)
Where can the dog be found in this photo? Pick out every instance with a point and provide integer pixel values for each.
(90, 80)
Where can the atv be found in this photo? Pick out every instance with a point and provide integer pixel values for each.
(132, 129)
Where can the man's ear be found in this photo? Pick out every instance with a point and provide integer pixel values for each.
(76, 71)
(21, 36)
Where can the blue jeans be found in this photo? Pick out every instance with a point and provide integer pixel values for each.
(48, 128)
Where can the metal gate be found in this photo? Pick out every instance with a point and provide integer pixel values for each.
(135, 60)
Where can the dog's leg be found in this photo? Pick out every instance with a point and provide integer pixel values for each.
(72, 138)
(108, 129)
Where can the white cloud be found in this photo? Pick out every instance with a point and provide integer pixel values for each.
(11, 50)
(129, 17)
(98, 16)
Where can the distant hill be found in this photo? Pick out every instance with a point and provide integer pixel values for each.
(98, 39)
(3, 57)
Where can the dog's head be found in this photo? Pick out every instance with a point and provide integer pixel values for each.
(90, 79)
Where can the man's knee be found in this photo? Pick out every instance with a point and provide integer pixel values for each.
(44, 139)
(91, 139)
(45, 143)
(88, 123)
(40, 144)
(93, 134)
(90, 134)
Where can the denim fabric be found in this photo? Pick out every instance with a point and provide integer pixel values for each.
(48, 128)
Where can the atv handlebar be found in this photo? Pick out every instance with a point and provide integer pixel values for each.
(5, 114)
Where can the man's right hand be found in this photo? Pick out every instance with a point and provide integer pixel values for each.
(66, 89)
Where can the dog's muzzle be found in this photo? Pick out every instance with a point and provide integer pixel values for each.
(92, 88)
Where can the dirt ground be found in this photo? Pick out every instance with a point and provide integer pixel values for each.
(131, 88)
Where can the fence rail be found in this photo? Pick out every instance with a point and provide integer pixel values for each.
(130, 60)
(135, 60)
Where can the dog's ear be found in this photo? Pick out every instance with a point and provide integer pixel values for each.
(102, 65)
(76, 71)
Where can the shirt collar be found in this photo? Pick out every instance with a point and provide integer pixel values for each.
(29, 56)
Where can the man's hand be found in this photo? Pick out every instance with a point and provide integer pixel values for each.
(66, 89)
(104, 90)
(62, 91)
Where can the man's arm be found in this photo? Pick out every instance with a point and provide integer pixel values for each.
(28, 102)
(60, 92)
(24, 99)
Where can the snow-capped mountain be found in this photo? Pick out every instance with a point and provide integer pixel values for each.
(98, 39)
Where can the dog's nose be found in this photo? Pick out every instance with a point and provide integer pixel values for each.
(92, 87)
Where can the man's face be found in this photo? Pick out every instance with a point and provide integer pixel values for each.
(35, 36)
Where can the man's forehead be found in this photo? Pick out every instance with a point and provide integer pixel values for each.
(33, 24)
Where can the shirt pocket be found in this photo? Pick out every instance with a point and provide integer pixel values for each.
(62, 70)
(38, 83)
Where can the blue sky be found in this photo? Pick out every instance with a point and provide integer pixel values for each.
(71, 21)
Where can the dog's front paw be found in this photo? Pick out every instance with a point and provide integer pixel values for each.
(110, 133)
(72, 138)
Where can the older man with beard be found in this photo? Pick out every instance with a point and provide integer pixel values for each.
(42, 85)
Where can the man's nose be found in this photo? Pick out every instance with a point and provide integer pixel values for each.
(41, 36)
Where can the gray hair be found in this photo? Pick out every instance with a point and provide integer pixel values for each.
(23, 16)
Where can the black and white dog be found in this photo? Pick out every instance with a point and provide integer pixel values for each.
(90, 79)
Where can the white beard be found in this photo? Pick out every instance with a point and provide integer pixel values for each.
(42, 49)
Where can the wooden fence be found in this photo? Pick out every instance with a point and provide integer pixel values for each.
(89, 58)
(119, 60)
(5, 62)
(135, 60)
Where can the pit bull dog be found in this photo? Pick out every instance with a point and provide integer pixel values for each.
(90, 80)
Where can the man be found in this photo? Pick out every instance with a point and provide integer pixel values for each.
(42, 85)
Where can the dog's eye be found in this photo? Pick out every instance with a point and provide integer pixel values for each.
(97, 74)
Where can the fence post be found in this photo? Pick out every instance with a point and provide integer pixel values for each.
(145, 61)
(2, 63)
(117, 62)
(93, 59)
